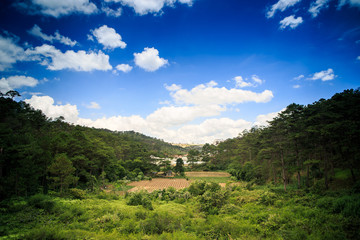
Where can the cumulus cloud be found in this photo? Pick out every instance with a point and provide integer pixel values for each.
(316, 6)
(149, 60)
(143, 7)
(54, 59)
(111, 12)
(176, 122)
(325, 75)
(173, 87)
(240, 83)
(37, 32)
(57, 8)
(291, 22)
(296, 86)
(47, 106)
(108, 37)
(281, 5)
(208, 94)
(124, 68)
(15, 82)
(173, 115)
(10, 52)
(206, 131)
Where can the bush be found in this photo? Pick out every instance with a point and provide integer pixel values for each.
(77, 193)
(140, 198)
(348, 206)
(197, 188)
(42, 201)
(212, 201)
(267, 198)
(158, 223)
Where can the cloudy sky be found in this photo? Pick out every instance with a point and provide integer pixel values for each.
(187, 71)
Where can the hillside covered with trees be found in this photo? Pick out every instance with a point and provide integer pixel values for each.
(38, 154)
(307, 145)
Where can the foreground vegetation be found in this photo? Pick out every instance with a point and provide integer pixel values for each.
(202, 211)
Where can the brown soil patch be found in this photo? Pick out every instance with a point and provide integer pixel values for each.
(159, 184)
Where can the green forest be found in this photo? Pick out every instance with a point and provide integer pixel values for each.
(297, 178)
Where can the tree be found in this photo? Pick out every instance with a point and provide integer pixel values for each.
(193, 156)
(62, 172)
(179, 167)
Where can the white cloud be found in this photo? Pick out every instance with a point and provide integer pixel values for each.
(263, 119)
(208, 131)
(108, 37)
(173, 87)
(149, 60)
(143, 7)
(111, 12)
(358, 58)
(316, 6)
(299, 77)
(94, 105)
(257, 80)
(173, 123)
(46, 105)
(15, 82)
(240, 83)
(352, 3)
(296, 86)
(208, 95)
(325, 75)
(173, 116)
(36, 31)
(291, 22)
(281, 5)
(54, 59)
(124, 68)
(10, 52)
(57, 8)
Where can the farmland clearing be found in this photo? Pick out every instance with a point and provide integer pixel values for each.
(179, 183)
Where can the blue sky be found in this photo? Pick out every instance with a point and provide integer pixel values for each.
(188, 71)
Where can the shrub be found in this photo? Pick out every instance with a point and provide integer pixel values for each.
(211, 202)
(197, 188)
(158, 223)
(42, 201)
(140, 198)
(348, 206)
(77, 193)
(267, 198)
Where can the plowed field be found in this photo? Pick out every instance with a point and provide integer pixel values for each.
(159, 183)
(178, 183)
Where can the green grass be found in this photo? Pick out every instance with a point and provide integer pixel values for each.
(212, 179)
